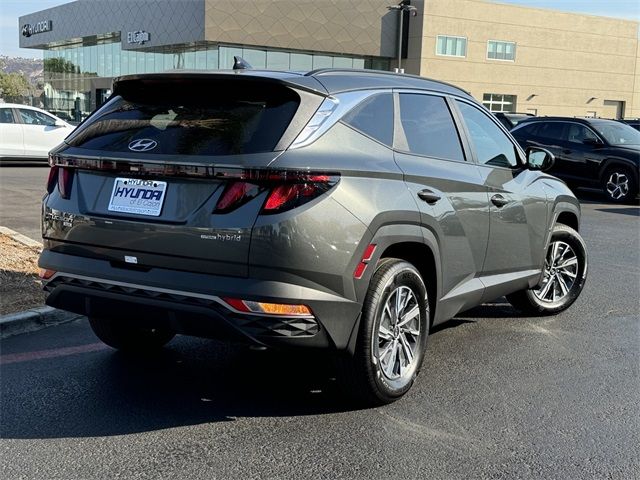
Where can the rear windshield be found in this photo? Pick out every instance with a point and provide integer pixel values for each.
(200, 118)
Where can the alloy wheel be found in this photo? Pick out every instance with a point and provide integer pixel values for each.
(397, 340)
(618, 185)
(560, 272)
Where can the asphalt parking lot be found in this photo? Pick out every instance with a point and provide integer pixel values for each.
(500, 396)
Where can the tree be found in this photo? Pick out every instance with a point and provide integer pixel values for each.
(60, 65)
(13, 85)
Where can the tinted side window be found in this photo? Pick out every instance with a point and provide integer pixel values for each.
(428, 127)
(6, 115)
(527, 129)
(33, 117)
(579, 133)
(374, 117)
(551, 130)
(491, 145)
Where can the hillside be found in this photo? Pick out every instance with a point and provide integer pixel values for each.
(30, 68)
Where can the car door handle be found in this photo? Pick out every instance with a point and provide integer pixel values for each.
(429, 196)
(499, 201)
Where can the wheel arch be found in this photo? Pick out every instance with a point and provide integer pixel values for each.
(413, 244)
(610, 163)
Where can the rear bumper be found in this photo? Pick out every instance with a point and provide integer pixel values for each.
(190, 303)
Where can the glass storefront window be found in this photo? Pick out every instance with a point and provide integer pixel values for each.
(301, 62)
(212, 59)
(226, 56)
(322, 61)
(256, 58)
(68, 72)
(278, 60)
(342, 62)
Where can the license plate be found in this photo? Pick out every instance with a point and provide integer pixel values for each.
(134, 195)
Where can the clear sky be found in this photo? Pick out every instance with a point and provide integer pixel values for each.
(10, 10)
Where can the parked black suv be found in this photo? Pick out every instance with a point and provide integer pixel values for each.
(589, 152)
(510, 120)
(340, 210)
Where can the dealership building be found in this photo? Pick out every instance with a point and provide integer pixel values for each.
(509, 57)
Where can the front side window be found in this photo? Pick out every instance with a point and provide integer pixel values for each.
(451, 46)
(428, 127)
(492, 146)
(497, 102)
(374, 117)
(497, 50)
(33, 117)
(6, 115)
(579, 133)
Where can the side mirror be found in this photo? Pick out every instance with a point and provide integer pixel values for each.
(59, 123)
(592, 141)
(540, 159)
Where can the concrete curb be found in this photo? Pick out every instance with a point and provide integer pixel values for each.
(33, 319)
(20, 238)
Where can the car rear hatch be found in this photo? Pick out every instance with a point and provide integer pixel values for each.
(149, 178)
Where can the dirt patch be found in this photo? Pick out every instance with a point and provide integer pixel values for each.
(20, 287)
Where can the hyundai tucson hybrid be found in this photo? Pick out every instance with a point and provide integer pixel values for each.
(341, 210)
(589, 152)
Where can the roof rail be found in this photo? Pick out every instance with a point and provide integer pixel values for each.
(321, 71)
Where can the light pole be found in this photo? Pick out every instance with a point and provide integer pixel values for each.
(402, 7)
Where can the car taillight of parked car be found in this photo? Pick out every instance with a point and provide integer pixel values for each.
(63, 178)
(286, 190)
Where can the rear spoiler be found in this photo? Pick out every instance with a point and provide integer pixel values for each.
(290, 79)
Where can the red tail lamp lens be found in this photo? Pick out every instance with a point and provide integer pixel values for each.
(65, 182)
(303, 189)
(235, 194)
(53, 178)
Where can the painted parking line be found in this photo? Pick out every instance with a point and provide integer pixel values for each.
(52, 353)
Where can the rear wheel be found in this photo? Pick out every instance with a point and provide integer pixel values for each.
(619, 185)
(122, 335)
(392, 338)
(565, 272)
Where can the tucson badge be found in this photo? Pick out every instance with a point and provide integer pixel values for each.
(142, 145)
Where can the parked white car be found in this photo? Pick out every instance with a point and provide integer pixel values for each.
(29, 132)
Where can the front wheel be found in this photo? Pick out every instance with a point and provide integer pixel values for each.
(565, 272)
(392, 337)
(619, 185)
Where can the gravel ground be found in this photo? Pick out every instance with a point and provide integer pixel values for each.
(20, 287)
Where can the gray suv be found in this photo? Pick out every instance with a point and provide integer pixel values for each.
(341, 210)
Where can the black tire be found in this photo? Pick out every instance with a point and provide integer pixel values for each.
(362, 373)
(529, 301)
(619, 184)
(122, 335)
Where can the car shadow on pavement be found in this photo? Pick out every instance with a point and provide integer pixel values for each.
(101, 392)
(190, 382)
(623, 211)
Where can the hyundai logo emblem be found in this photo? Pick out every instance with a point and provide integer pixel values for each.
(143, 145)
(26, 30)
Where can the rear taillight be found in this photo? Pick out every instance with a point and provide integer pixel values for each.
(235, 195)
(65, 181)
(286, 190)
(53, 178)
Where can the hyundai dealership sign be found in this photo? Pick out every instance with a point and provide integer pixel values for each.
(139, 37)
(38, 27)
